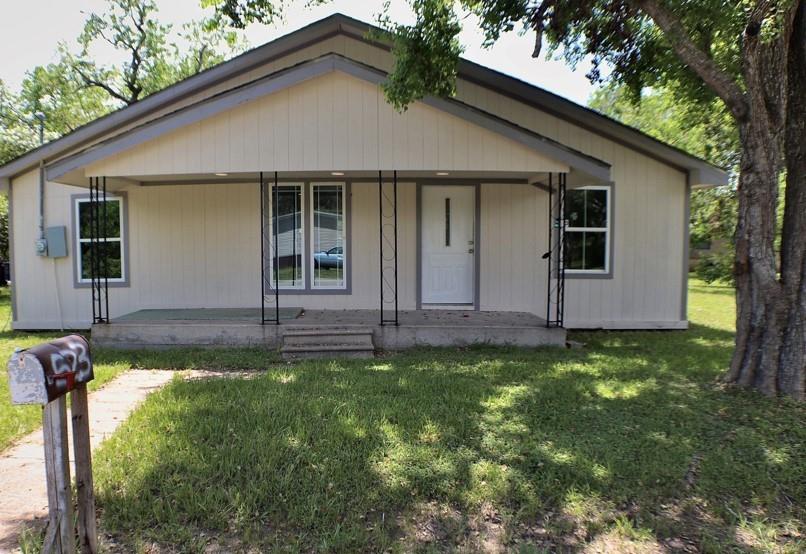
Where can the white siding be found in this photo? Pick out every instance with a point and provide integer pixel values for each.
(304, 128)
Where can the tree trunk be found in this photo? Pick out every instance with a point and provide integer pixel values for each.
(770, 350)
(792, 367)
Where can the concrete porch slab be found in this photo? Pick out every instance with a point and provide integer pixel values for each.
(416, 328)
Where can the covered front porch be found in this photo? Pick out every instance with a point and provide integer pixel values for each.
(243, 327)
(513, 272)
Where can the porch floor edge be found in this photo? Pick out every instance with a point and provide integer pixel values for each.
(447, 332)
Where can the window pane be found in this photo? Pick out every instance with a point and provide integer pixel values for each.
(574, 244)
(290, 244)
(586, 208)
(595, 208)
(595, 250)
(586, 250)
(112, 227)
(575, 208)
(328, 236)
(109, 263)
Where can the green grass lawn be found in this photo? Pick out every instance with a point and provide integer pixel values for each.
(629, 444)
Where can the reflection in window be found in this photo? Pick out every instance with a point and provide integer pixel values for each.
(328, 240)
(287, 218)
(109, 248)
(588, 229)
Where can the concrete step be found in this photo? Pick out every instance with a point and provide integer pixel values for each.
(325, 329)
(306, 342)
(326, 351)
(330, 338)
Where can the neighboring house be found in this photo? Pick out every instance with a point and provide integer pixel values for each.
(472, 237)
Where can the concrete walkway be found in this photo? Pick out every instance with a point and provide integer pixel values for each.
(23, 497)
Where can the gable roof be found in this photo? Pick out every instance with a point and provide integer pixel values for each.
(588, 166)
(700, 171)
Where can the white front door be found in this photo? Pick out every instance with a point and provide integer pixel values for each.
(448, 244)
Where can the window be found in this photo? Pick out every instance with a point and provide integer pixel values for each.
(327, 228)
(311, 221)
(109, 230)
(287, 216)
(587, 235)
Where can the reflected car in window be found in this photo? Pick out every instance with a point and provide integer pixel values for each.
(332, 258)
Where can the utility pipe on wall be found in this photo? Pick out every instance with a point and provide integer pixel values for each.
(41, 117)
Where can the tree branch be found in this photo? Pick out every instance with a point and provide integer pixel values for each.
(92, 82)
(539, 26)
(697, 60)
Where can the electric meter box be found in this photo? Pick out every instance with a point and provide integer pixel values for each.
(56, 238)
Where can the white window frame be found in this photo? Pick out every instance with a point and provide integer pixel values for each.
(606, 230)
(301, 285)
(79, 241)
(345, 238)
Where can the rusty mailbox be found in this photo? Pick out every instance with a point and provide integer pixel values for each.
(47, 371)
(44, 374)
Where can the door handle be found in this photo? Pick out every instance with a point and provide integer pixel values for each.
(470, 251)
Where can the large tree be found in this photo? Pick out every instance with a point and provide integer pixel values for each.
(750, 54)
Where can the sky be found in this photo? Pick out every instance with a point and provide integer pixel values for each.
(31, 30)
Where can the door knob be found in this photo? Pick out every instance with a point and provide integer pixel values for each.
(470, 251)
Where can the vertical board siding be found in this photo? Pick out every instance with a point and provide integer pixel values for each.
(513, 239)
(298, 131)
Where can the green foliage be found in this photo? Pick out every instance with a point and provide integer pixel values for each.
(129, 26)
(716, 267)
(705, 130)
(55, 91)
(156, 58)
(427, 53)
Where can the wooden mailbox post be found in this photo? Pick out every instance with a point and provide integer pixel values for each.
(44, 374)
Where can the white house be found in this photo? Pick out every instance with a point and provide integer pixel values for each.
(503, 215)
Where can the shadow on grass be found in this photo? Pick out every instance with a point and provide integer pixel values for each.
(476, 449)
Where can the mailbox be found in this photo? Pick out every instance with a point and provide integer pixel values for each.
(44, 372)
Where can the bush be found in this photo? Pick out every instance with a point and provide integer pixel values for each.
(715, 267)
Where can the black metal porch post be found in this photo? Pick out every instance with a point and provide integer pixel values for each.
(98, 261)
(562, 257)
(106, 254)
(262, 189)
(550, 250)
(386, 242)
(395, 200)
(276, 210)
(91, 249)
(380, 237)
